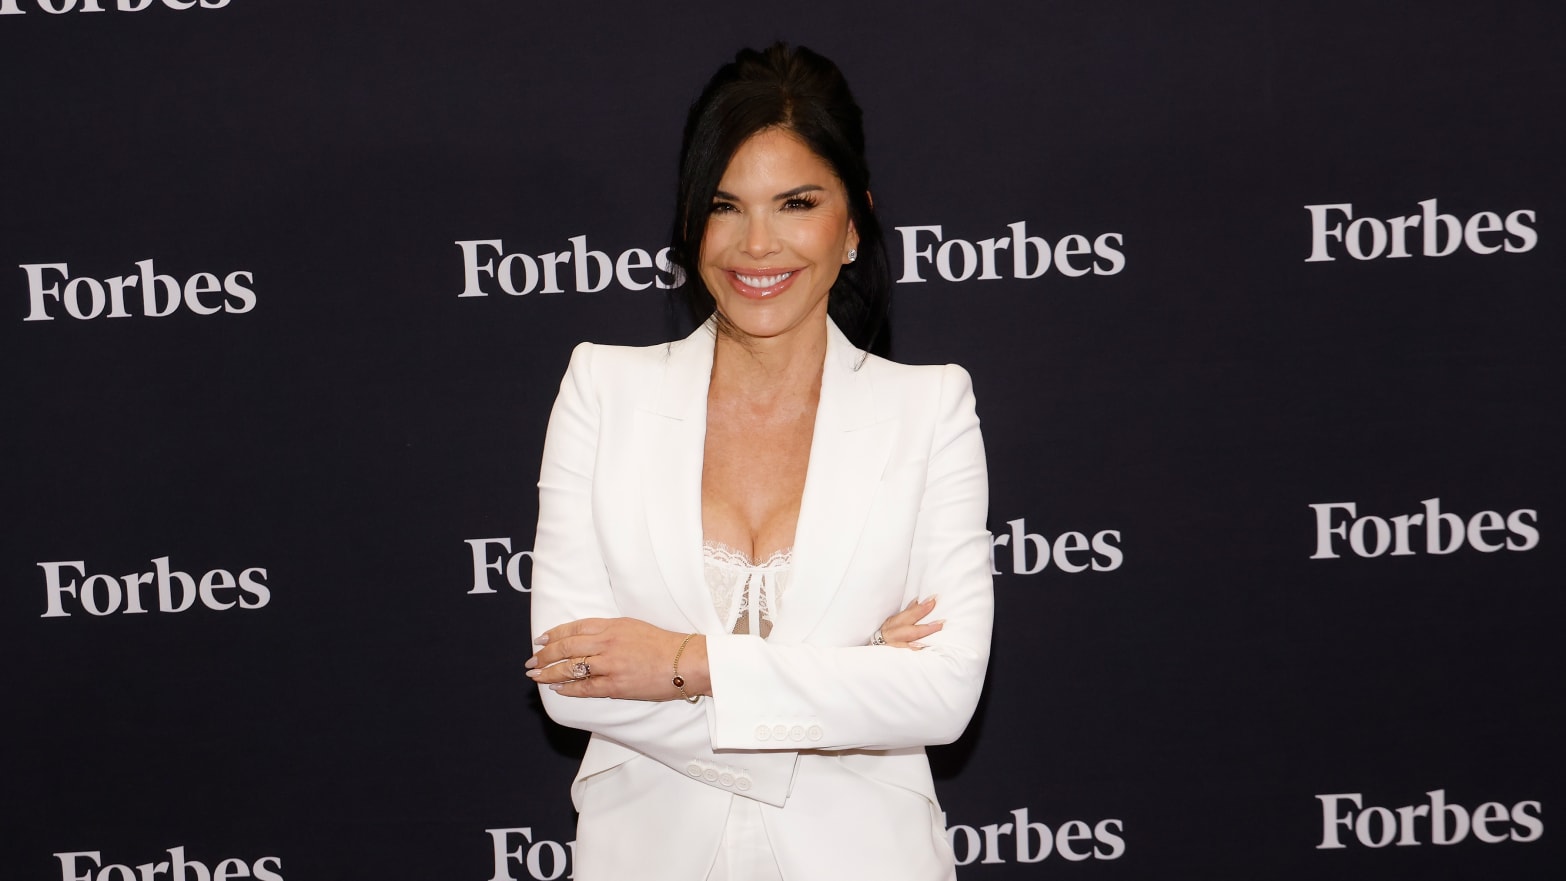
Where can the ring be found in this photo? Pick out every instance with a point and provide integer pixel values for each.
(581, 669)
(878, 639)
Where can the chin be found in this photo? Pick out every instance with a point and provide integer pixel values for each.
(766, 326)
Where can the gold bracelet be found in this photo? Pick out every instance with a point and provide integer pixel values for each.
(679, 681)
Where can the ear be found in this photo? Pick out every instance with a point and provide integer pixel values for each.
(852, 240)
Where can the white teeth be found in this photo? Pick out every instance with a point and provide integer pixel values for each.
(762, 281)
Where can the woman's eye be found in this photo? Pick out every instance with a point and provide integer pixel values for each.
(799, 204)
(721, 208)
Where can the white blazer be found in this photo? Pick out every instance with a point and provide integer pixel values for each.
(825, 732)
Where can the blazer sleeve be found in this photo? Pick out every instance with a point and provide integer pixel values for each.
(571, 582)
(876, 697)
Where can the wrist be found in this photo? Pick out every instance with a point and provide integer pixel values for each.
(699, 677)
(688, 672)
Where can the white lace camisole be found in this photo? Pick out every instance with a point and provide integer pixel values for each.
(748, 595)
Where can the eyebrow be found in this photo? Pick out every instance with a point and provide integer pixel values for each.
(788, 194)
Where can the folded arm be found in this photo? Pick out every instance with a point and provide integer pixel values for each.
(570, 583)
(880, 697)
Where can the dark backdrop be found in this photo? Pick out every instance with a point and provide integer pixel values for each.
(1226, 668)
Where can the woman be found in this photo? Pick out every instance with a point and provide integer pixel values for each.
(729, 525)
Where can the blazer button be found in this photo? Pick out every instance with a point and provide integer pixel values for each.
(693, 769)
(742, 783)
(780, 732)
(796, 733)
(710, 775)
(814, 733)
(726, 779)
(763, 732)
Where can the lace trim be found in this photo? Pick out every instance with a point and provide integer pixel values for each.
(718, 552)
(747, 596)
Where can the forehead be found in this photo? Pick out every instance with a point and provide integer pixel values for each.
(776, 156)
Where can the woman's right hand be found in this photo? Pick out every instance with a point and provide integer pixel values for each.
(903, 629)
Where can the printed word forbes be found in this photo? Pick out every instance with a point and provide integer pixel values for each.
(543, 860)
(1071, 552)
(959, 260)
(1435, 822)
(60, 7)
(87, 865)
(592, 271)
(1367, 238)
(1073, 840)
(175, 591)
(1444, 533)
(508, 563)
(161, 295)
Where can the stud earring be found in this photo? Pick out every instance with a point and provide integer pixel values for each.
(853, 254)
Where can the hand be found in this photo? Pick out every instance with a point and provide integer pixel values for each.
(903, 629)
(628, 658)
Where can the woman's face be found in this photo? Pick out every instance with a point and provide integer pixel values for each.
(778, 234)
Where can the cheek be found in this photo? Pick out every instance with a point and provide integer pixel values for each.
(711, 242)
(821, 241)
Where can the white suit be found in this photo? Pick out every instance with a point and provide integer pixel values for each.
(826, 732)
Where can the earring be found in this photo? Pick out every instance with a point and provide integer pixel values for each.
(853, 254)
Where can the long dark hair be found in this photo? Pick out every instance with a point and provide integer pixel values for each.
(804, 93)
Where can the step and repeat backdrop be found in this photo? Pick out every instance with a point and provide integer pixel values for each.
(1263, 305)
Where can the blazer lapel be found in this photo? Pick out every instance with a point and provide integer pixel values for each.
(672, 432)
(848, 453)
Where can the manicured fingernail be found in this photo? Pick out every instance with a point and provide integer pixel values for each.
(534, 674)
(542, 640)
(531, 662)
(931, 598)
(940, 623)
(557, 686)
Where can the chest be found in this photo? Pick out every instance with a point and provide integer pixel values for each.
(753, 476)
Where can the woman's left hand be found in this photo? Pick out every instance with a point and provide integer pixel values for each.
(903, 629)
(622, 657)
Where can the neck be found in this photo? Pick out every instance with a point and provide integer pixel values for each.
(767, 368)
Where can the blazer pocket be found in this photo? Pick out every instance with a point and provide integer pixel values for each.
(918, 801)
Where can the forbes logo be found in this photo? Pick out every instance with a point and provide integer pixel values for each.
(1032, 842)
(1071, 552)
(104, 594)
(1436, 822)
(504, 562)
(161, 295)
(591, 271)
(1029, 256)
(543, 860)
(1338, 523)
(80, 866)
(60, 7)
(1434, 233)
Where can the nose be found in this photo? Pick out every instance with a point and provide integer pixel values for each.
(760, 240)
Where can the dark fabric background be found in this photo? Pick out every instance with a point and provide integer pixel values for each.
(362, 424)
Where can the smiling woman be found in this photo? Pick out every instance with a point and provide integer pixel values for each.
(778, 233)
(741, 534)
(734, 132)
